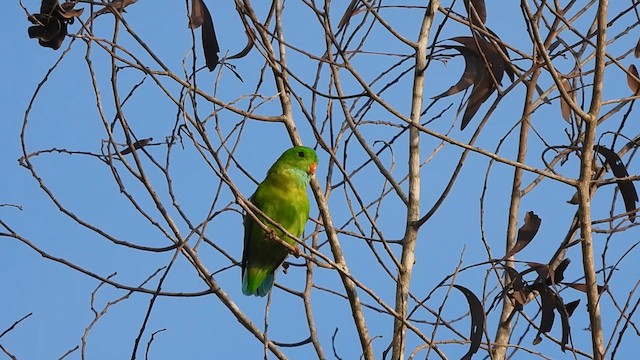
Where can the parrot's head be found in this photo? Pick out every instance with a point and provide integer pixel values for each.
(301, 158)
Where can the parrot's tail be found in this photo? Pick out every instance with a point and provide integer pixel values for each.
(251, 284)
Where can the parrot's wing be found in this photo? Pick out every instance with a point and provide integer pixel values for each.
(249, 224)
(260, 258)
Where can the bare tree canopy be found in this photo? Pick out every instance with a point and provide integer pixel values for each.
(473, 194)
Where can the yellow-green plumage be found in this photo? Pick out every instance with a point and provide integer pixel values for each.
(282, 196)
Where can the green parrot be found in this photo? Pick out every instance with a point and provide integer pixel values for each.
(282, 196)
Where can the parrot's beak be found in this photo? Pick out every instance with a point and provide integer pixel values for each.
(312, 168)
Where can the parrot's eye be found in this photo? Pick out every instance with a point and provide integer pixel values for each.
(300, 154)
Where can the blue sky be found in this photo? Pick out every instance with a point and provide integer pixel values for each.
(65, 116)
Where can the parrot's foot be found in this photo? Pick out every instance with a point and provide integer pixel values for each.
(295, 252)
(272, 236)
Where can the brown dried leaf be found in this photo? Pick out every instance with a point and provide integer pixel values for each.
(197, 14)
(548, 315)
(48, 6)
(517, 289)
(209, 41)
(136, 145)
(67, 11)
(114, 6)
(565, 109)
(484, 85)
(574, 199)
(485, 76)
(472, 68)
(571, 307)
(247, 48)
(49, 30)
(477, 321)
(351, 11)
(200, 16)
(50, 25)
(551, 302)
(541, 269)
(636, 51)
(516, 278)
(626, 187)
(520, 297)
(634, 85)
(479, 8)
(564, 318)
(526, 233)
(558, 272)
(545, 273)
(583, 287)
(508, 67)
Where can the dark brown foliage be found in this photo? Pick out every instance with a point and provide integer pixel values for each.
(626, 187)
(136, 145)
(565, 109)
(478, 12)
(558, 273)
(583, 287)
(354, 8)
(548, 315)
(51, 23)
(519, 291)
(477, 321)
(632, 81)
(485, 76)
(200, 16)
(526, 233)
